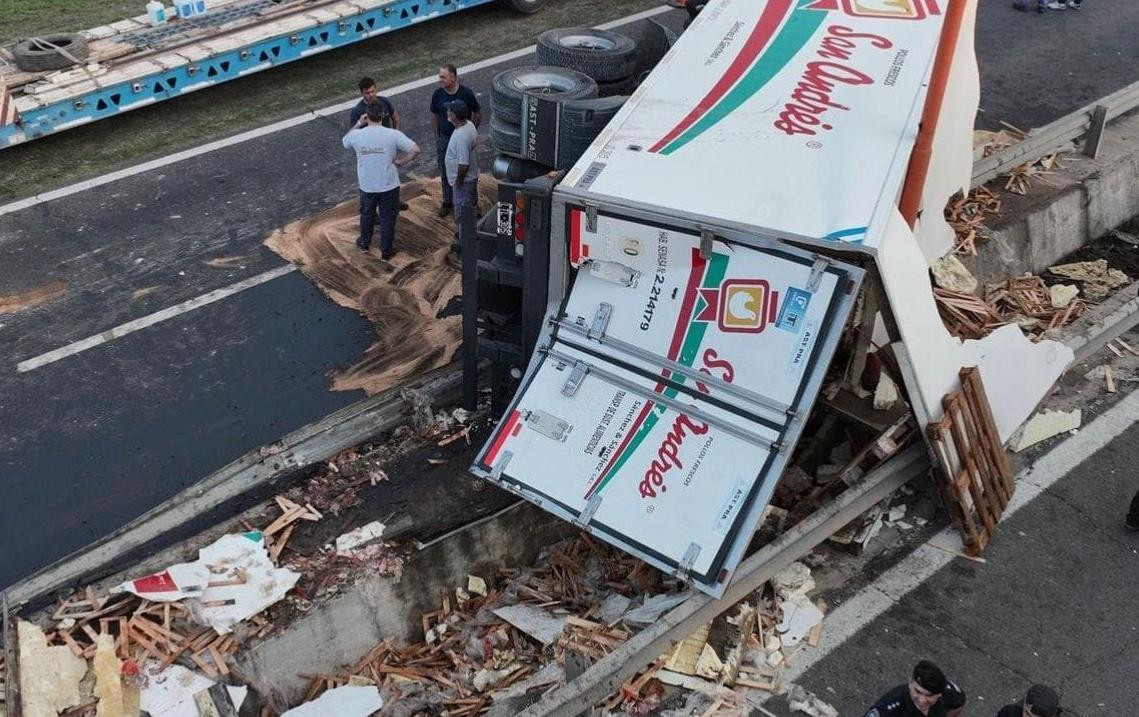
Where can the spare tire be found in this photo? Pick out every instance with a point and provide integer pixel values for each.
(555, 83)
(506, 137)
(603, 55)
(50, 52)
(581, 122)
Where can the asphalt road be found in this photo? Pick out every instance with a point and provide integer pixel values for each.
(94, 440)
(1053, 603)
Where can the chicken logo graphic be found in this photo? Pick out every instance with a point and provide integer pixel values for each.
(896, 9)
(739, 305)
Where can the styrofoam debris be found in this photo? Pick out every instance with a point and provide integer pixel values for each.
(242, 561)
(800, 700)
(476, 585)
(49, 676)
(896, 513)
(360, 536)
(655, 606)
(170, 691)
(949, 273)
(347, 701)
(1043, 426)
(800, 616)
(1062, 294)
(885, 394)
(795, 579)
(534, 621)
(613, 607)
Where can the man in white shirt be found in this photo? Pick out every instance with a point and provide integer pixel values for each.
(380, 151)
(462, 159)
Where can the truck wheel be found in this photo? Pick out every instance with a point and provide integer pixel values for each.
(617, 88)
(506, 137)
(603, 55)
(554, 83)
(527, 6)
(47, 52)
(581, 122)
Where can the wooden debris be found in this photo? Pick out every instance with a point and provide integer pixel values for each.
(975, 474)
(1109, 378)
(967, 215)
(1023, 300)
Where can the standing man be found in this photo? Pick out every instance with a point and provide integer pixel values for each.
(380, 151)
(449, 90)
(369, 93)
(461, 158)
(928, 694)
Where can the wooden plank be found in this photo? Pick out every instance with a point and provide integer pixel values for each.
(971, 378)
(964, 454)
(1109, 377)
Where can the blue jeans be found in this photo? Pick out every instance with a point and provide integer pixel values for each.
(440, 155)
(384, 204)
(466, 194)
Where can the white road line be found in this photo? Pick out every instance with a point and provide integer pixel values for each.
(920, 565)
(151, 319)
(282, 125)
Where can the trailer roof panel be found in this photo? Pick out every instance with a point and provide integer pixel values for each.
(792, 118)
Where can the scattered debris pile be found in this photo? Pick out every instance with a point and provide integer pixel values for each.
(1021, 177)
(1026, 301)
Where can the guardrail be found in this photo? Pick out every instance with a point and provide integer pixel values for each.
(1088, 122)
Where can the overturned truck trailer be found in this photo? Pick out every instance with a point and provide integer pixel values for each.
(699, 261)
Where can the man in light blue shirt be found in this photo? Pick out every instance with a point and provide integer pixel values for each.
(461, 161)
(380, 151)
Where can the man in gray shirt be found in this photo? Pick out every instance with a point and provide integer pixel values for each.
(380, 151)
(462, 161)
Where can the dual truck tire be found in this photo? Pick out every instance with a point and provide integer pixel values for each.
(587, 72)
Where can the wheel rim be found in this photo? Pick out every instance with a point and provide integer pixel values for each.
(539, 83)
(587, 42)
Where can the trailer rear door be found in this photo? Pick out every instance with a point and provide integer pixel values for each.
(669, 388)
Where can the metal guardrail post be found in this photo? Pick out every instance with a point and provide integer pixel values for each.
(1095, 133)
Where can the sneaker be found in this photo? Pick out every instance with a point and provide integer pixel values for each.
(387, 255)
(1132, 523)
(1022, 6)
(404, 206)
(1055, 5)
(362, 249)
(1072, 5)
(445, 209)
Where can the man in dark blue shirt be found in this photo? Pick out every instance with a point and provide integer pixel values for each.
(1041, 701)
(449, 90)
(927, 694)
(370, 93)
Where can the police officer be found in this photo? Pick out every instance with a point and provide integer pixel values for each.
(927, 694)
(1041, 701)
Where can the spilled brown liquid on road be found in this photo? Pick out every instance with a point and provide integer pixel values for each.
(402, 298)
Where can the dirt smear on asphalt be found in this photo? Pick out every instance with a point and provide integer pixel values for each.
(402, 298)
(11, 303)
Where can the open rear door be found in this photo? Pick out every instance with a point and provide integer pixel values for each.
(666, 394)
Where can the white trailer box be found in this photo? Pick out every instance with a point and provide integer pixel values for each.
(686, 343)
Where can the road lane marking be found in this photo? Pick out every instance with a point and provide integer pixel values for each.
(309, 116)
(151, 319)
(896, 583)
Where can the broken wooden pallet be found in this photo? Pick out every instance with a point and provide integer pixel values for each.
(976, 477)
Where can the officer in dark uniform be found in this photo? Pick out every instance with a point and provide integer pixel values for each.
(927, 694)
(1041, 701)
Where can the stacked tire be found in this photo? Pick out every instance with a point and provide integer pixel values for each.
(609, 58)
(510, 87)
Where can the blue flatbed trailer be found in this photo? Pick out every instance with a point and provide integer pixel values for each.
(133, 64)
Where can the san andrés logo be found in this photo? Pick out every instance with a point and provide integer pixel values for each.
(668, 454)
(812, 97)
